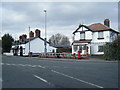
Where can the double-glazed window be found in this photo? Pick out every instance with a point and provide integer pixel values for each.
(100, 35)
(82, 35)
(100, 48)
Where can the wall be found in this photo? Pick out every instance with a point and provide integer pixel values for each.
(99, 42)
(77, 36)
(88, 35)
(37, 46)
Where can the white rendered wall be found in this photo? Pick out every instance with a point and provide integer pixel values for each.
(82, 29)
(106, 36)
(77, 36)
(36, 46)
(88, 35)
(93, 48)
(50, 48)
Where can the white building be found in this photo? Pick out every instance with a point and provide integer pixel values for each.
(33, 44)
(91, 39)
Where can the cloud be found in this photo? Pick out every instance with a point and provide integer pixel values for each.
(62, 17)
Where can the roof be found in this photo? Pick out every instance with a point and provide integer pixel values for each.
(98, 27)
(82, 41)
(61, 46)
(27, 40)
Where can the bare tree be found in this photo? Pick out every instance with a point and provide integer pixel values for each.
(59, 39)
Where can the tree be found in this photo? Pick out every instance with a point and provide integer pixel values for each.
(7, 43)
(59, 39)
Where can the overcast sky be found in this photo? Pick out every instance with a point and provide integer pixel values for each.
(62, 17)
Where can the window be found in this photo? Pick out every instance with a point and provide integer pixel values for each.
(82, 35)
(100, 48)
(75, 48)
(100, 35)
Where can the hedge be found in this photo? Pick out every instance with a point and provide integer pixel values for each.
(112, 50)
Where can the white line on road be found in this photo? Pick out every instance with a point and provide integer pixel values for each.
(24, 65)
(77, 79)
(41, 79)
(44, 80)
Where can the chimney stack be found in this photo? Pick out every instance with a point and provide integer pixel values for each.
(24, 36)
(37, 33)
(107, 22)
(20, 37)
(31, 34)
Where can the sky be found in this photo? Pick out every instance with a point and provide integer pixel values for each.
(62, 17)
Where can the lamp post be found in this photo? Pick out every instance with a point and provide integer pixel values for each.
(45, 51)
(29, 41)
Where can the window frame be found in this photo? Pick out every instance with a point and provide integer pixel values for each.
(100, 49)
(101, 35)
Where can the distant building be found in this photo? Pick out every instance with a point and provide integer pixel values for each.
(63, 48)
(91, 39)
(35, 44)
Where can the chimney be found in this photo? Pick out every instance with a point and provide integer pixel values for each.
(24, 36)
(107, 22)
(31, 34)
(37, 33)
(20, 37)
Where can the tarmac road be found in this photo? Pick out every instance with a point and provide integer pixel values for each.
(34, 72)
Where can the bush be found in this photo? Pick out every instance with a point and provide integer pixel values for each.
(112, 50)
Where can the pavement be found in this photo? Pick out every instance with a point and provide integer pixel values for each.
(34, 72)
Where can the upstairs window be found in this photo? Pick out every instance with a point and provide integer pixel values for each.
(82, 35)
(100, 35)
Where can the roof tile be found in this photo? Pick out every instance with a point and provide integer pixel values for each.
(98, 27)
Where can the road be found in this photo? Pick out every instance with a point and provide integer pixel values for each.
(34, 72)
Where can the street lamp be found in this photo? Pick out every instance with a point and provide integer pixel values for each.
(45, 51)
(29, 39)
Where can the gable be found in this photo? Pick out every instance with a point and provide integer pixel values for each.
(82, 28)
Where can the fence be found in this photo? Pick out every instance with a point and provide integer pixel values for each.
(57, 55)
(61, 55)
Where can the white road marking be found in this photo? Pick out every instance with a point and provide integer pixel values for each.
(41, 79)
(2, 64)
(41, 66)
(44, 80)
(77, 79)
(23, 65)
(8, 64)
